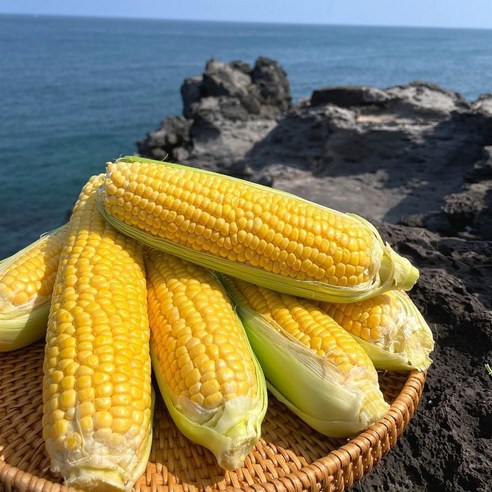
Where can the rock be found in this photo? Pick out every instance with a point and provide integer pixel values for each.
(483, 104)
(349, 96)
(483, 220)
(462, 208)
(447, 445)
(427, 99)
(191, 94)
(167, 140)
(467, 212)
(222, 79)
(424, 98)
(271, 87)
(225, 112)
(482, 169)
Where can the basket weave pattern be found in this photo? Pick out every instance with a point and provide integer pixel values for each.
(289, 457)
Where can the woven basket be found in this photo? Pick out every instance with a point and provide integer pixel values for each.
(289, 457)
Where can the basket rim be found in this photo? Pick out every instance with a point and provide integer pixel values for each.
(398, 415)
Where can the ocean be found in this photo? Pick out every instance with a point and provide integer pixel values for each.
(77, 92)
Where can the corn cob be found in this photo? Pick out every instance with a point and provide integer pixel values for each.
(251, 231)
(26, 283)
(312, 365)
(389, 327)
(209, 378)
(96, 389)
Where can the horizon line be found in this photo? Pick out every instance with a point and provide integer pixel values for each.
(125, 17)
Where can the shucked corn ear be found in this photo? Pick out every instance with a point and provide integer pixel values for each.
(97, 401)
(250, 231)
(389, 327)
(26, 284)
(312, 364)
(209, 378)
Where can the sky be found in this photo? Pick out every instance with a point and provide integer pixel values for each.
(428, 13)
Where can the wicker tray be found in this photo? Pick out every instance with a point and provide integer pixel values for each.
(289, 457)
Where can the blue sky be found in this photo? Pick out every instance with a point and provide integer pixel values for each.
(434, 13)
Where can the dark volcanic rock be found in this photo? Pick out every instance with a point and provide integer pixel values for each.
(427, 99)
(448, 444)
(467, 212)
(226, 111)
(221, 79)
(191, 94)
(470, 210)
(482, 169)
(271, 86)
(166, 142)
(483, 104)
(349, 96)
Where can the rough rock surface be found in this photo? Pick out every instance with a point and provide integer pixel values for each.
(448, 444)
(417, 160)
(225, 112)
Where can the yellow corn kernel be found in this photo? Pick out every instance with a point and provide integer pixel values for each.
(389, 327)
(88, 445)
(206, 370)
(26, 284)
(330, 255)
(31, 273)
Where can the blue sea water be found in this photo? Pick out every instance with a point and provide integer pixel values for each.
(77, 92)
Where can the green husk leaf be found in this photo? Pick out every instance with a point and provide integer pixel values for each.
(309, 385)
(395, 270)
(413, 341)
(20, 331)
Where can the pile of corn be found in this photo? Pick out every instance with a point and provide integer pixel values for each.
(222, 288)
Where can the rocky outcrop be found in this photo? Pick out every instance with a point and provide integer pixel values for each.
(226, 111)
(468, 211)
(415, 155)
